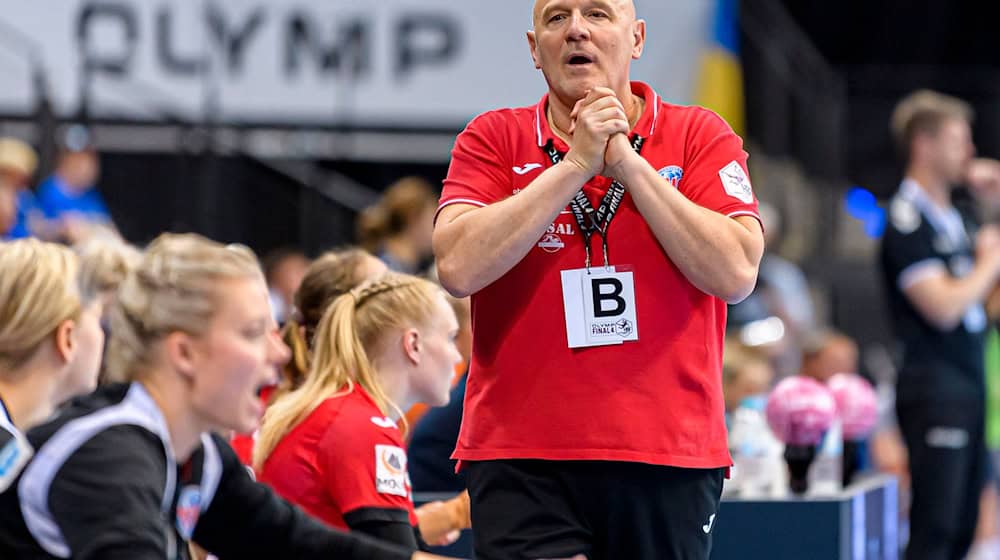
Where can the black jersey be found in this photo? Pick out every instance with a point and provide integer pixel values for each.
(922, 239)
(103, 484)
(14, 449)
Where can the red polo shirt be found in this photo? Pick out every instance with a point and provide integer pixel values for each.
(657, 400)
(344, 458)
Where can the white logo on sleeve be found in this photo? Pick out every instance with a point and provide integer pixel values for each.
(708, 528)
(736, 182)
(383, 422)
(528, 167)
(390, 471)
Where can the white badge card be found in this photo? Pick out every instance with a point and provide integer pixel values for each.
(599, 306)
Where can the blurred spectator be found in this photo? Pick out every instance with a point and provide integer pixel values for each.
(18, 162)
(746, 380)
(70, 208)
(828, 352)
(746, 374)
(105, 262)
(398, 228)
(284, 269)
(435, 432)
(787, 290)
(938, 271)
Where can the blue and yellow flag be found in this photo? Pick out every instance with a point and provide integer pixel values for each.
(720, 78)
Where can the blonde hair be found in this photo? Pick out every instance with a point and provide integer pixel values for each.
(351, 331)
(328, 277)
(399, 206)
(923, 112)
(104, 264)
(736, 356)
(17, 156)
(173, 288)
(38, 291)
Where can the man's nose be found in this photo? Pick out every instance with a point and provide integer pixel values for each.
(577, 29)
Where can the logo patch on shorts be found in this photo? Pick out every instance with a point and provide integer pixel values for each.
(390, 470)
(736, 182)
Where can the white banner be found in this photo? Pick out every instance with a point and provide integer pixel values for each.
(381, 63)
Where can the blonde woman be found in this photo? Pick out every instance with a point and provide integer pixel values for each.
(133, 471)
(333, 445)
(50, 342)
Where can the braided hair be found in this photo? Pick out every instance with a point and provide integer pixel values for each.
(353, 330)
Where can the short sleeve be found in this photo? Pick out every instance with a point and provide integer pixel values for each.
(908, 247)
(715, 174)
(479, 173)
(365, 469)
(119, 477)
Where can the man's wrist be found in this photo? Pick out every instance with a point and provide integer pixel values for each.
(576, 171)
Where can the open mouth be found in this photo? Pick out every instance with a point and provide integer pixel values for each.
(579, 60)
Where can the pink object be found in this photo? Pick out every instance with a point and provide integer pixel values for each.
(856, 404)
(800, 410)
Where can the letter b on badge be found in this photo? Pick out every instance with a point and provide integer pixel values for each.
(607, 297)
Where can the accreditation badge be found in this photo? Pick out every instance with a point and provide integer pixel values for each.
(600, 307)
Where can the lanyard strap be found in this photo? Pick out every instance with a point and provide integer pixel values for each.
(587, 219)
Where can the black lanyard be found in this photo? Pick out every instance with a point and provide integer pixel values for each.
(587, 219)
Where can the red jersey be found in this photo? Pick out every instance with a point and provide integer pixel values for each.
(657, 400)
(345, 457)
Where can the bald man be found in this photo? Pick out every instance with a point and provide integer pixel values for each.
(600, 234)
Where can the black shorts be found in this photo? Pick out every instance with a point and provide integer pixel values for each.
(528, 510)
(948, 469)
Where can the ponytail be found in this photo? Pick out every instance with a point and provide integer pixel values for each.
(351, 328)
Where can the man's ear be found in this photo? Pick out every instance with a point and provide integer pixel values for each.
(178, 348)
(639, 37)
(533, 46)
(411, 345)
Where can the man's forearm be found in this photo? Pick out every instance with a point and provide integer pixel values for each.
(943, 300)
(476, 247)
(717, 254)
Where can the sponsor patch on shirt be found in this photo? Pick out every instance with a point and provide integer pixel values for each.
(551, 243)
(736, 182)
(673, 174)
(390, 470)
(188, 511)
